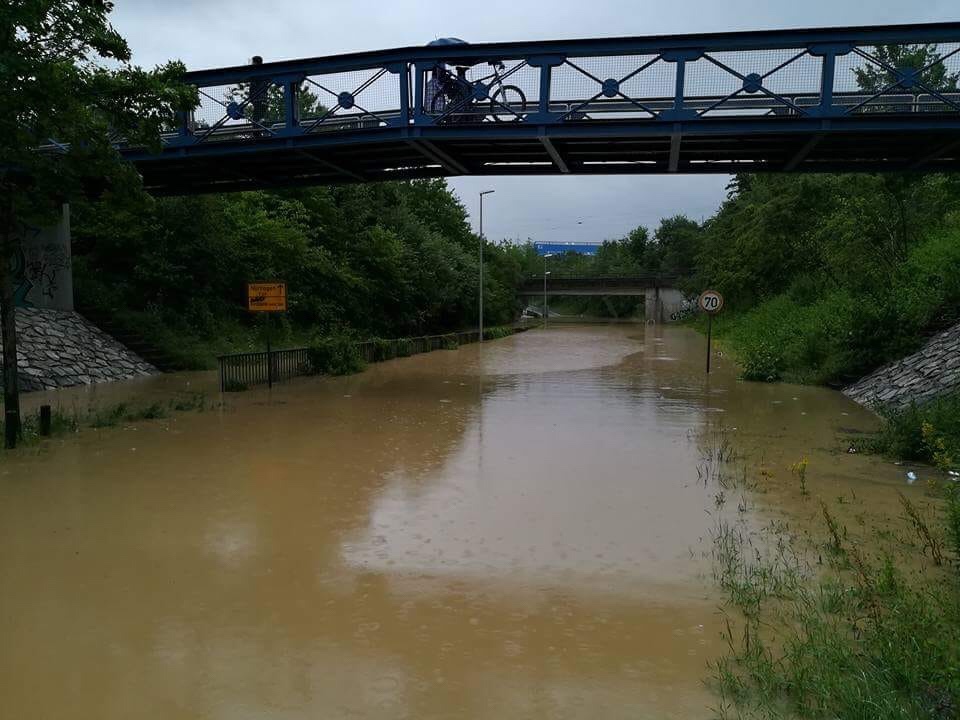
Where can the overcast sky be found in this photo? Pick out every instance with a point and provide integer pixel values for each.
(211, 33)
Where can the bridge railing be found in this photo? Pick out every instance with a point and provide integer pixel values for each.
(830, 73)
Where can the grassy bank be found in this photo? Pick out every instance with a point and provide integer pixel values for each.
(820, 331)
(858, 621)
(928, 433)
(64, 421)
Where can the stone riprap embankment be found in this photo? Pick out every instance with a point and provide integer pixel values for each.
(933, 370)
(59, 348)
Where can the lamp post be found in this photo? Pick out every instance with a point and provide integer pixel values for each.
(545, 273)
(480, 323)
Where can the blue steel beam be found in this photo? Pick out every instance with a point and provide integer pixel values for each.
(703, 103)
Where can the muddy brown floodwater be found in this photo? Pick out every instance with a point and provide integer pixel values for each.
(508, 531)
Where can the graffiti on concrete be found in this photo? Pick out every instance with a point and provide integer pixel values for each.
(42, 267)
(688, 309)
(37, 272)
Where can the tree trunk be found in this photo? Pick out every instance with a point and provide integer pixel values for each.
(8, 331)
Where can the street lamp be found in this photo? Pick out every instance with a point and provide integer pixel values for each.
(545, 273)
(480, 323)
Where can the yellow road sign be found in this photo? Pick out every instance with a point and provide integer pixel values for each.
(267, 297)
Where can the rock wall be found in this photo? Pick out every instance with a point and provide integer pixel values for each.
(58, 348)
(932, 371)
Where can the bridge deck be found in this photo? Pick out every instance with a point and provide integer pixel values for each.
(799, 100)
(584, 285)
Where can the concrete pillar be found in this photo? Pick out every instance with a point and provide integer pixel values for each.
(42, 268)
(652, 305)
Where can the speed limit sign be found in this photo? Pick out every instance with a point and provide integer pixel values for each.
(710, 301)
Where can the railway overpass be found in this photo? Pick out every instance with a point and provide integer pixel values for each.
(813, 100)
(663, 301)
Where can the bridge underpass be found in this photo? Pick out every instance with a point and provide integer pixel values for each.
(662, 300)
(790, 101)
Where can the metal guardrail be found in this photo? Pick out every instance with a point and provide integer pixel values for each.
(242, 370)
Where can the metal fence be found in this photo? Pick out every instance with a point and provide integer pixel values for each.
(239, 371)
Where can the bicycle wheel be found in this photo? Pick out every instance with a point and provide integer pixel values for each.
(508, 98)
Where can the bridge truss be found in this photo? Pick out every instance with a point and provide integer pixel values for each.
(795, 100)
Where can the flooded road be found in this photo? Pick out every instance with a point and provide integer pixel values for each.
(513, 530)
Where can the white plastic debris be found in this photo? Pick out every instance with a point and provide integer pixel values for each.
(911, 477)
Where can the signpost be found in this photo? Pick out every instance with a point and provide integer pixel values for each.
(268, 297)
(711, 302)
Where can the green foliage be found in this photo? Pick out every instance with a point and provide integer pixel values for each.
(404, 347)
(873, 78)
(828, 277)
(334, 355)
(864, 638)
(383, 259)
(451, 342)
(953, 518)
(67, 75)
(496, 333)
(926, 433)
(64, 421)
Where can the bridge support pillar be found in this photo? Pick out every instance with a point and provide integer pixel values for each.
(42, 266)
(652, 305)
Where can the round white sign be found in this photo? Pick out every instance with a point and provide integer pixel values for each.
(710, 301)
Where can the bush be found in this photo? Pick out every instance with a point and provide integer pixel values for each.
(334, 355)
(927, 433)
(383, 349)
(821, 331)
(496, 333)
(451, 342)
(404, 347)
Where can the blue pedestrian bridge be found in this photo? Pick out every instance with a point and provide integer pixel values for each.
(836, 99)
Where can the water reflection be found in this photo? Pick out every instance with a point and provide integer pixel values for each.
(512, 530)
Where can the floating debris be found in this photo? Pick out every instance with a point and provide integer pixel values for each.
(911, 477)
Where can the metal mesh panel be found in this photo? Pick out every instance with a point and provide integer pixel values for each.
(752, 83)
(348, 100)
(577, 85)
(225, 109)
(872, 79)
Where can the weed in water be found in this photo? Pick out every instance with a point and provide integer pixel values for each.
(865, 639)
(928, 539)
(799, 470)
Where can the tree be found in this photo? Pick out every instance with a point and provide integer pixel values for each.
(874, 78)
(678, 238)
(62, 108)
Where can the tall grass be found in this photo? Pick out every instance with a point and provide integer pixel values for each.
(846, 634)
(65, 421)
(927, 433)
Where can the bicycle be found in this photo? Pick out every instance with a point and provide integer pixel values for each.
(454, 93)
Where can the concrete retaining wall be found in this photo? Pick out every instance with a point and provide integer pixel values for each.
(933, 370)
(59, 348)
